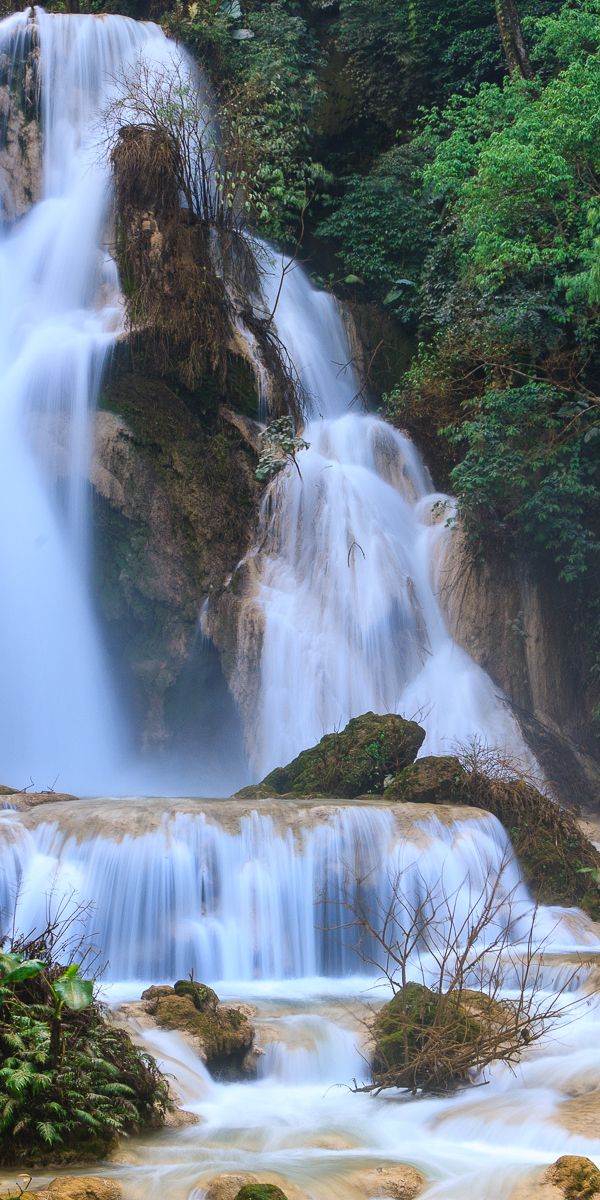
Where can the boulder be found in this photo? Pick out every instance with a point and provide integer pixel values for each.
(225, 1187)
(223, 1036)
(261, 1191)
(415, 1034)
(355, 762)
(230, 1186)
(397, 1182)
(203, 998)
(576, 1177)
(436, 779)
(84, 1187)
(571, 1177)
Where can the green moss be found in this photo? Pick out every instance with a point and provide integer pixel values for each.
(558, 861)
(577, 1177)
(202, 997)
(430, 780)
(347, 764)
(261, 1191)
(403, 1027)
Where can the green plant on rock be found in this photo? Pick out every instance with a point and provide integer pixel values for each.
(466, 971)
(70, 1083)
(280, 446)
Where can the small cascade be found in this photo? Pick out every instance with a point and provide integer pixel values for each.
(240, 895)
(345, 596)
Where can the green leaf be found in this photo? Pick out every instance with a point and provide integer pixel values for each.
(13, 969)
(76, 993)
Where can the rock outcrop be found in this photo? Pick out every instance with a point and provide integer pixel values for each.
(560, 864)
(75, 1187)
(223, 1036)
(175, 505)
(519, 625)
(571, 1177)
(20, 138)
(352, 763)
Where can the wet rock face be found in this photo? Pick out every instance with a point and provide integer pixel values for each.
(20, 135)
(224, 1036)
(355, 762)
(175, 504)
(519, 625)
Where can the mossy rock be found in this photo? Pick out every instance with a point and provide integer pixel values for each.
(203, 998)
(431, 780)
(224, 1035)
(343, 765)
(559, 863)
(401, 1031)
(261, 1191)
(577, 1177)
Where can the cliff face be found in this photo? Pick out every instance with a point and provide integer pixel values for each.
(517, 622)
(20, 134)
(175, 501)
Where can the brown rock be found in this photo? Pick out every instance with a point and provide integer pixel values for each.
(575, 1176)
(222, 1035)
(398, 1182)
(431, 780)
(225, 1187)
(84, 1187)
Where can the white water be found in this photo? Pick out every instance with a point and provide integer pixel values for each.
(237, 895)
(59, 313)
(346, 567)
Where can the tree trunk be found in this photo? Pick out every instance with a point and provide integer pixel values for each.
(511, 33)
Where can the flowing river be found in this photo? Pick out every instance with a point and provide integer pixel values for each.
(250, 898)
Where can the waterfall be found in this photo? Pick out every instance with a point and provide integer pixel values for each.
(345, 570)
(60, 313)
(241, 895)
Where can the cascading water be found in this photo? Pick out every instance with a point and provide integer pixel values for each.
(345, 593)
(239, 895)
(59, 316)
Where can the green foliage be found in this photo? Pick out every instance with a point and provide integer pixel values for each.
(70, 1083)
(404, 53)
(381, 229)
(280, 446)
(519, 474)
(265, 70)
